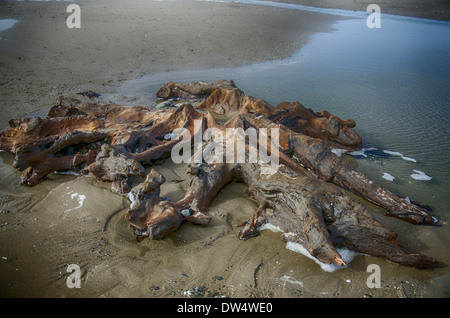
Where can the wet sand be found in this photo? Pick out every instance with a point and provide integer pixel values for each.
(430, 9)
(44, 229)
(77, 220)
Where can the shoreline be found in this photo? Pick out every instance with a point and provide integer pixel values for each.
(21, 68)
(42, 58)
(109, 51)
(438, 10)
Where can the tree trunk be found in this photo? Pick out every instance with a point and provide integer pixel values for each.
(305, 196)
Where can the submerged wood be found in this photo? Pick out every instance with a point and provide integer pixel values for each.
(307, 197)
(194, 89)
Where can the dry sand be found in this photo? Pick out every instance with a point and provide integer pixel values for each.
(77, 220)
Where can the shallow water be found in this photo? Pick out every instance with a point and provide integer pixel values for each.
(393, 81)
(7, 23)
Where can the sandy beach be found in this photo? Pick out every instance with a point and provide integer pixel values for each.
(117, 43)
(78, 220)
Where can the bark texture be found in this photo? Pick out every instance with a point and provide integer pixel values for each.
(306, 197)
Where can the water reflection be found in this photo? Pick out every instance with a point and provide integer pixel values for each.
(393, 81)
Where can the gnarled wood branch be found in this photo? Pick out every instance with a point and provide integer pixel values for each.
(306, 197)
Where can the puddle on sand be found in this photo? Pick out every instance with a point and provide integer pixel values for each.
(7, 23)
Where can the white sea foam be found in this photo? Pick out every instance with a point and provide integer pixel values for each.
(346, 254)
(291, 280)
(409, 159)
(358, 153)
(79, 197)
(270, 226)
(399, 154)
(393, 153)
(67, 172)
(388, 177)
(420, 175)
(361, 152)
(133, 205)
(338, 152)
(131, 197)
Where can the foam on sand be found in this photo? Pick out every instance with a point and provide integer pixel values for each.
(346, 254)
(420, 175)
(67, 172)
(289, 279)
(270, 226)
(79, 197)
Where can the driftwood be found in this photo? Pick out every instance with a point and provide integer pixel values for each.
(194, 89)
(306, 197)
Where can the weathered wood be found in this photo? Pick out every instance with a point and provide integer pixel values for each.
(194, 89)
(306, 197)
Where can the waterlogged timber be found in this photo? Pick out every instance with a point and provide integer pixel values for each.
(305, 194)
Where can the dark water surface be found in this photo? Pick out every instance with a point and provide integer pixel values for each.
(7, 23)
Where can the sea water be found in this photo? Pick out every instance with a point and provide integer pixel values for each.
(7, 23)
